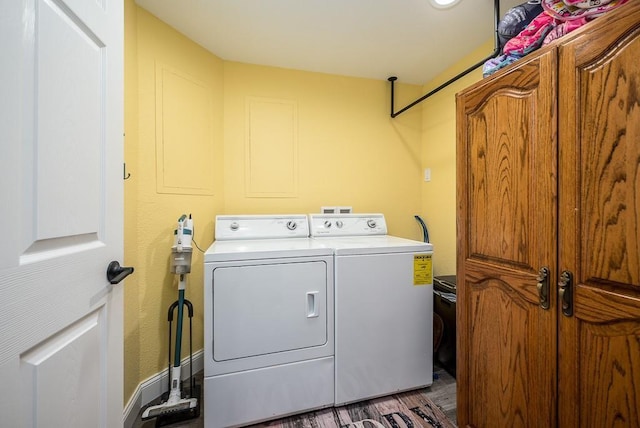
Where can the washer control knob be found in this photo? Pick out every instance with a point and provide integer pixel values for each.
(327, 224)
(234, 226)
(371, 223)
(339, 223)
(291, 225)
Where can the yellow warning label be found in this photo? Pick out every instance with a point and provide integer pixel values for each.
(422, 269)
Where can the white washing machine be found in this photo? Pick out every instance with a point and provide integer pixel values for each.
(383, 306)
(269, 321)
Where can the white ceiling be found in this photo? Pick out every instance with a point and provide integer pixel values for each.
(374, 39)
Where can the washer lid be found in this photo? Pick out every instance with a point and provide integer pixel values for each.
(265, 248)
(356, 245)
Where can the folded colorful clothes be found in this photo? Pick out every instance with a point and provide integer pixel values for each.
(559, 17)
(564, 28)
(494, 64)
(532, 36)
(586, 4)
(516, 19)
(562, 10)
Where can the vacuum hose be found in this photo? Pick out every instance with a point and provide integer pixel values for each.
(425, 231)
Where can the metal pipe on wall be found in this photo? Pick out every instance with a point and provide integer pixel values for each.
(496, 50)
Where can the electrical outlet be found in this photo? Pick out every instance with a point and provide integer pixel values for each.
(427, 174)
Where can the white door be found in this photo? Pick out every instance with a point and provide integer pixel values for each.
(61, 132)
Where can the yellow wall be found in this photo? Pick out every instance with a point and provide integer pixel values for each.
(349, 152)
(327, 140)
(439, 154)
(173, 109)
(207, 137)
(198, 136)
(131, 291)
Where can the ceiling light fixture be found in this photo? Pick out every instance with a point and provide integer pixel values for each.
(443, 4)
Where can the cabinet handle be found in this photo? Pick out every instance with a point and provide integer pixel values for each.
(543, 287)
(566, 292)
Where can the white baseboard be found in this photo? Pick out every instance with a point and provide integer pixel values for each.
(153, 387)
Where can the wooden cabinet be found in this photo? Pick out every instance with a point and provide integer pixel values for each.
(548, 224)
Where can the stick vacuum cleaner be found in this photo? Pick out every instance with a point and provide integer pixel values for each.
(178, 405)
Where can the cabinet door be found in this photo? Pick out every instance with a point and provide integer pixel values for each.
(599, 217)
(506, 220)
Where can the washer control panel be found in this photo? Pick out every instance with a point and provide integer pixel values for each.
(231, 227)
(347, 224)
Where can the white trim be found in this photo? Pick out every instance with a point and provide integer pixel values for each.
(154, 386)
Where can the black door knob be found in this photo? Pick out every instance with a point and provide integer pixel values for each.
(116, 273)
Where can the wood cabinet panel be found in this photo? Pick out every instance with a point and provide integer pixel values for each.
(500, 159)
(506, 329)
(560, 190)
(599, 213)
(506, 193)
(606, 119)
(503, 147)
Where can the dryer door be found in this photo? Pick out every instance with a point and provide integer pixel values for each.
(268, 308)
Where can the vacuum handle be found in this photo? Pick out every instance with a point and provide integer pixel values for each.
(312, 304)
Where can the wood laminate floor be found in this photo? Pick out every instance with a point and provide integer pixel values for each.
(434, 406)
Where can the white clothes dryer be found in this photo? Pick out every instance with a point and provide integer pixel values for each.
(383, 306)
(269, 321)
